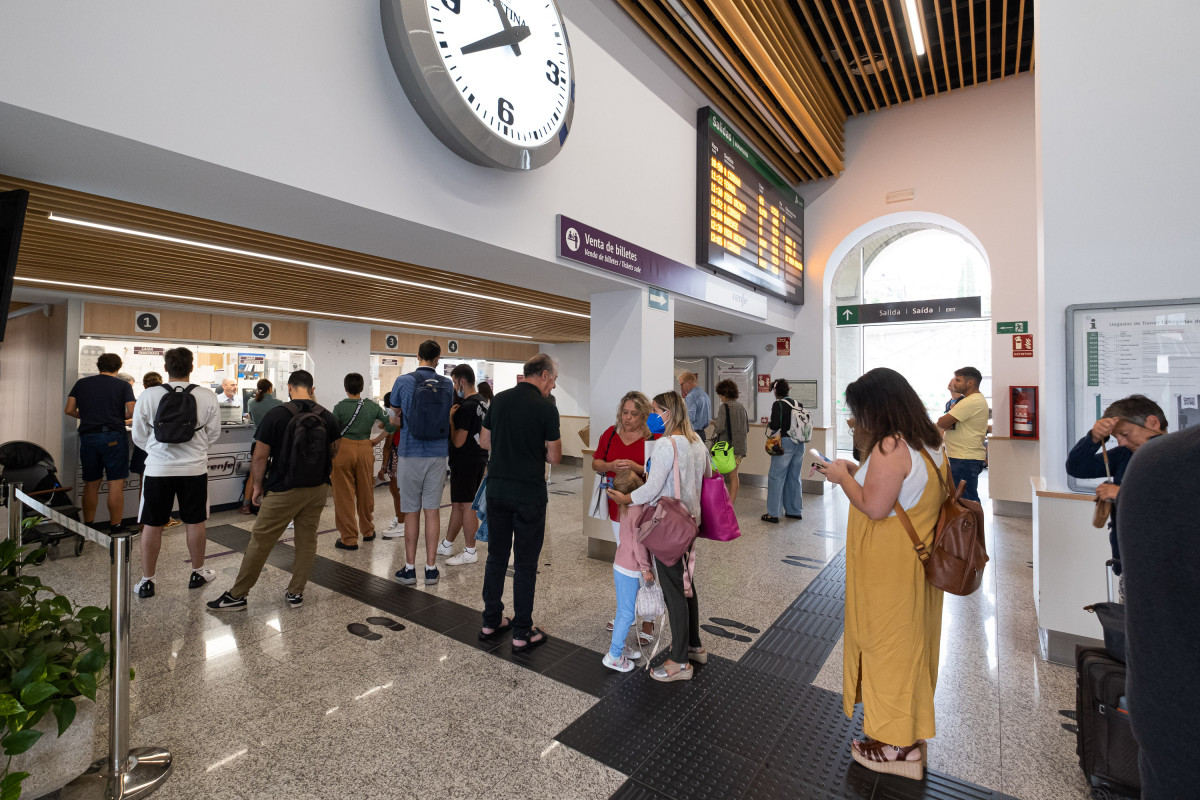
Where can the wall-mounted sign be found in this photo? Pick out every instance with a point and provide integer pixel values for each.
(251, 366)
(261, 331)
(452, 346)
(659, 299)
(910, 311)
(148, 351)
(803, 392)
(1012, 327)
(391, 341)
(764, 383)
(1023, 346)
(389, 362)
(146, 321)
(783, 345)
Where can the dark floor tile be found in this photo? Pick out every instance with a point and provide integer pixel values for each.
(584, 670)
(443, 616)
(632, 790)
(815, 744)
(687, 768)
(620, 736)
(540, 658)
(770, 784)
(468, 633)
(936, 786)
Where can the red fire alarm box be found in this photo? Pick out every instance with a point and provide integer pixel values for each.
(1023, 412)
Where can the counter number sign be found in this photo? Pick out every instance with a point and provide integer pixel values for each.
(452, 346)
(391, 341)
(261, 331)
(146, 321)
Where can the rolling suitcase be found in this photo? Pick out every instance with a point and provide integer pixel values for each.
(1107, 751)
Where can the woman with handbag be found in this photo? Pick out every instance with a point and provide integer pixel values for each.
(893, 614)
(623, 447)
(731, 426)
(784, 493)
(676, 579)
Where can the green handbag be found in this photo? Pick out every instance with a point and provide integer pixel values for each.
(723, 459)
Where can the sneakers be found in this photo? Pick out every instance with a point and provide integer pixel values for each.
(227, 602)
(462, 558)
(173, 523)
(622, 664)
(144, 588)
(395, 530)
(294, 600)
(199, 578)
(431, 576)
(291, 525)
(445, 548)
(407, 576)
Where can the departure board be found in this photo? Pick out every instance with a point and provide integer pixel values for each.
(749, 222)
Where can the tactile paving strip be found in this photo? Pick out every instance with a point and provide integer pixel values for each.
(686, 767)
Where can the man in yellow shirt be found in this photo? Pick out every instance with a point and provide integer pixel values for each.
(966, 425)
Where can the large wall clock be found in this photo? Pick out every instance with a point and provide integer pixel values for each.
(493, 79)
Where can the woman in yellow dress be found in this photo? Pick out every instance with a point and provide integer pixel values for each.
(893, 615)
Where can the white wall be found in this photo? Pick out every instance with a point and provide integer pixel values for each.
(302, 92)
(969, 157)
(1119, 171)
(334, 350)
(574, 377)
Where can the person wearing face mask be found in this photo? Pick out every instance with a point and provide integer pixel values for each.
(1132, 421)
(468, 462)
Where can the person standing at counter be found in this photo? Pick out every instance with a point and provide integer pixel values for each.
(176, 427)
(228, 395)
(263, 401)
(354, 465)
(103, 404)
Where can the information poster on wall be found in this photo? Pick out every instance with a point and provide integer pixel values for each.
(1115, 351)
(251, 366)
(740, 370)
(803, 392)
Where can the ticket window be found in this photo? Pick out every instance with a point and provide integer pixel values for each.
(211, 364)
(386, 368)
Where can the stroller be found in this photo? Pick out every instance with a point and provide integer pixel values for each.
(29, 465)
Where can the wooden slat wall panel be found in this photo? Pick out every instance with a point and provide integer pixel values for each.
(407, 344)
(284, 332)
(103, 319)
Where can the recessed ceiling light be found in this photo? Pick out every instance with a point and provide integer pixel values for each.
(259, 306)
(311, 265)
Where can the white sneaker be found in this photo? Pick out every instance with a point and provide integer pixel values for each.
(445, 549)
(394, 524)
(622, 664)
(394, 532)
(291, 525)
(462, 558)
(632, 655)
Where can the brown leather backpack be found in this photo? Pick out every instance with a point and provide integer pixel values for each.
(955, 560)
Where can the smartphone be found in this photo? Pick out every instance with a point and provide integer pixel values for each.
(606, 482)
(817, 453)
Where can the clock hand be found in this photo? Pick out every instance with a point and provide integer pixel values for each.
(501, 39)
(504, 21)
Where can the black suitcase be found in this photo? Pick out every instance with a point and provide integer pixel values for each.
(1107, 751)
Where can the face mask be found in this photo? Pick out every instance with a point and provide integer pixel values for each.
(655, 423)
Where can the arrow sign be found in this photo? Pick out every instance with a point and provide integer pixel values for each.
(847, 315)
(659, 299)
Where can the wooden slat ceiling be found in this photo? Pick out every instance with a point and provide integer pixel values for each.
(61, 252)
(789, 72)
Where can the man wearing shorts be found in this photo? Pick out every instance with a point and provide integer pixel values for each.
(421, 463)
(175, 471)
(103, 404)
(468, 461)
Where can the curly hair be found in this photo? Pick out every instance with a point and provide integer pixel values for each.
(727, 388)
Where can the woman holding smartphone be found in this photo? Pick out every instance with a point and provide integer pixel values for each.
(893, 614)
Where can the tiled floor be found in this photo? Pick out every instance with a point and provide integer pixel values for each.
(279, 702)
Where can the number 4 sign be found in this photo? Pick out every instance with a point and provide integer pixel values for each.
(1023, 345)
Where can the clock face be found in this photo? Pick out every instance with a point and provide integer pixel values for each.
(492, 78)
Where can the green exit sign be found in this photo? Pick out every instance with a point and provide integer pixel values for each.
(1012, 327)
(847, 315)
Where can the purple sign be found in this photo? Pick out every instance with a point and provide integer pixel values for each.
(593, 247)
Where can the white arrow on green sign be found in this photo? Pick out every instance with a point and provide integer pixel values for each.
(847, 315)
(1012, 327)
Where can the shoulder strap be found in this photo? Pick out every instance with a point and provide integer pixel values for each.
(608, 446)
(675, 466)
(918, 545)
(728, 424)
(357, 409)
(942, 479)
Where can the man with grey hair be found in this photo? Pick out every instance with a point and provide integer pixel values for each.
(228, 395)
(699, 405)
(521, 431)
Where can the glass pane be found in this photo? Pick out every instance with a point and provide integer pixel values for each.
(848, 341)
(927, 353)
(926, 265)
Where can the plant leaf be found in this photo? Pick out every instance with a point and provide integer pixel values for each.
(10, 785)
(37, 693)
(19, 742)
(92, 660)
(85, 684)
(29, 673)
(64, 712)
(9, 705)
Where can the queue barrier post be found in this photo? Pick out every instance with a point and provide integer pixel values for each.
(126, 773)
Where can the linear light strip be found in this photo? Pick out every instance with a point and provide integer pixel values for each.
(914, 26)
(260, 307)
(297, 262)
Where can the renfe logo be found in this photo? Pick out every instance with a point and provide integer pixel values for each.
(222, 466)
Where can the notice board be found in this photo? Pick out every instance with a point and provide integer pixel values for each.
(1113, 351)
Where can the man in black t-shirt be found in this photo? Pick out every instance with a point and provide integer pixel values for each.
(281, 502)
(103, 404)
(521, 431)
(467, 464)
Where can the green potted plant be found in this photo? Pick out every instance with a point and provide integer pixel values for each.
(51, 655)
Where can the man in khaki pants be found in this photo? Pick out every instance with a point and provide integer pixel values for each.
(299, 439)
(354, 465)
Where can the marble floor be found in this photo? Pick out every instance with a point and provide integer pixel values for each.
(278, 702)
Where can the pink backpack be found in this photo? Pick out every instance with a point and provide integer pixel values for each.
(667, 529)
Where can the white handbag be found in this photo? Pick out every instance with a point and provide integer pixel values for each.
(599, 505)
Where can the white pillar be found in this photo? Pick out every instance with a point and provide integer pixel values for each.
(633, 347)
(334, 350)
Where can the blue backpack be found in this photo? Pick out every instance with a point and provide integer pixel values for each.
(429, 415)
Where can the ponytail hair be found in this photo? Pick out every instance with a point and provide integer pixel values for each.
(264, 388)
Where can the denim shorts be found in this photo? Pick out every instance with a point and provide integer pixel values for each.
(104, 455)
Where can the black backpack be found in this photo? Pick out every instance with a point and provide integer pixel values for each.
(175, 420)
(429, 417)
(304, 456)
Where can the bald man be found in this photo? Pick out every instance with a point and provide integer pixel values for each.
(228, 395)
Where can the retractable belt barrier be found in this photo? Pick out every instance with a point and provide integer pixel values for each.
(126, 773)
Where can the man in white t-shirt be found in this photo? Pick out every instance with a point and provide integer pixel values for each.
(175, 470)
(966, 425)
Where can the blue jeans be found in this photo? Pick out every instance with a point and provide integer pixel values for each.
(967, 469)
(627, 589)
(784, 493)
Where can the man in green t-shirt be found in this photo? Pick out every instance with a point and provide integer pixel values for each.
(966, 425)
(353, 475)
